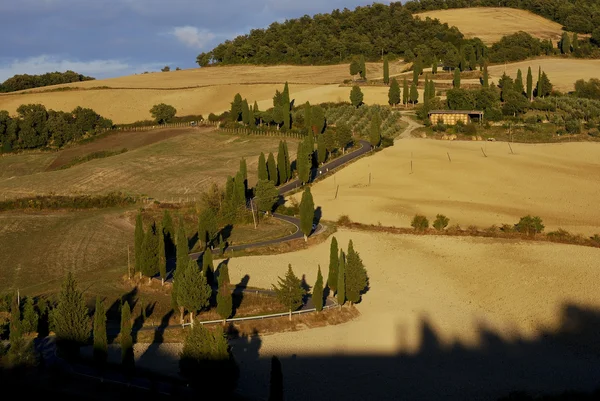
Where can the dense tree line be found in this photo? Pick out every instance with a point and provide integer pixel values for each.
(36, 127)
(581, 16)
(332, 38)
(25, 81)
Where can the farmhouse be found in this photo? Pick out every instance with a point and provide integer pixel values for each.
(451, 117)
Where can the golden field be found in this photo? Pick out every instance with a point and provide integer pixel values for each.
(490, 24)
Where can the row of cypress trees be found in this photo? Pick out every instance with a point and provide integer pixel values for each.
(278, 172)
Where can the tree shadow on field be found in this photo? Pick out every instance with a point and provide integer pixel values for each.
(139, 320)
(238, 293)
(318, 215)
(306, 289)
(113, 313)
(192, 241)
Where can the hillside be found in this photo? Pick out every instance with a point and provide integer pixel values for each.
(490, 24)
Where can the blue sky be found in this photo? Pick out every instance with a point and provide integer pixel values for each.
(107, 38)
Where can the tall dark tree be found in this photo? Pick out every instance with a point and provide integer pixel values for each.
(127, 356)
(375, 131)
(332, 277)
(207, 226)
(276, 383)
(287, 122)
(208, 267)
(354, 67)
(434, 66)
(308, 120)
(539, 83)
(281, 169)
(356, 275)
(486, 79)
(288, 164)
(236, 108)
(290, 291)
(169, 234)
(70, 317)
(356, 96)
(394, 93)
(239, 197)
(529, 85)
(321, 149)
(263, 173)
(30, 317)
(456, 79)
(343, 136)
(266, 196)
(150, 258)
(417, 70)
(224, 295)
(245, 112)
(363, 67)
(565, 43)
(307, 213)
(386, 71)
(317, 295)
(414, 94)
(100, 340)
(405, 92)
(194, 292)
(244, 171)
(518, 84)
(304, 159)
(318, 119)
(139, 242)
(341, 284)
(545, 85)
(272, 169)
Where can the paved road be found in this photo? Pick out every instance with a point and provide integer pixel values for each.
(315, 172)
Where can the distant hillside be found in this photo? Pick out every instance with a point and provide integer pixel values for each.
(335, 37)
(25, 81)
(581, 16)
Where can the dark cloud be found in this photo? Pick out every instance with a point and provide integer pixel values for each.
(133, 34)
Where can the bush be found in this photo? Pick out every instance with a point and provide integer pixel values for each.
(212, 117)
(573, 126)
(530, 225)
(470, 129)
(420, 223)
(344, 220)
(68, 202)
(163, 113)
(440, 222)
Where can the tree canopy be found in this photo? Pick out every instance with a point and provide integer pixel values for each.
(25, 81)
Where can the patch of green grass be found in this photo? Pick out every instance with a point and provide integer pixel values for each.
(95, 155)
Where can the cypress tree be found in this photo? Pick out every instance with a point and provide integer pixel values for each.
(414, 94)
(193, 292)
(100, 340)
(286, 107)
(245, 112)
(363, 67)
(276, 383)
(539, 83)
(150, 264)
(182, 245)
(318, 291)
(281, 170)
(565, 44)
(224, 296)
(127, 357)
(356, 96)
(431, 89)
(375, 131)
(236, 108)
(308, 120)
(518, 84)
(426, 90)
(434, 66)
(177, 279)
(456, 80)
(417, 69)
(321, 150)
(251, 118)
(288, 165)
(394, 93)
(307, 213)
(289, 291)
(529, 85)
(386, 71)
(169, 234)
(139, 242)
(334, 262)
(70, 317)
(405, 92)
(486, 78)
(262, 167)
(256, 112)
(207, 262)
(30, 317)
(356, 275)
(272, 169)
(240, 191)
(207, 226)
(575, 43)
(318, 119)
(223, 274)
(304, 159)
(341, 284)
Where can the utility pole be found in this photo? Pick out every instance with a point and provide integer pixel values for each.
(252, 208)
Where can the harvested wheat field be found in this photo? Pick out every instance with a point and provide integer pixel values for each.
(490, 24)
(445, 318)
(562, 72)
(558, 182)
(181, 167)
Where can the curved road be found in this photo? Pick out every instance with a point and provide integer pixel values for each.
(290, 186)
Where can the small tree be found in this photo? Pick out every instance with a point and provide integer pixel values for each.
(394, 93)
(163, 113)
(334, 262)
(405, 92)
(529, 84)
(272, 169)
(162, 257)
(100, 340)
(127, 357)
(414, 94)
(276, 383)
(356, 96)
(386, 71)
(266, 196)
(456, 80)
(356, 275)
(434, 66)
(194, 292)
(30, 317)
(208, 267)
(363, 67)
(318, 291)
(289, 291)
(263, 173)
(281, 169)
(530, 225)
(150, 257)
(341, 283)
(139, 242)
(375, 131)
(343, 136)
(420, 223)
(224, 296)
(166, 68)
(70, 317)
(354, 67)
(307, 213)
(288, 165)
(486, 80)
(440, 222)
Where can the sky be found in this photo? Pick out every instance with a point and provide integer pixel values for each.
(108, 38)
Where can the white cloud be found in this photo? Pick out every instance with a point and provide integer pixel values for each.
(192, 36)
(96, 68)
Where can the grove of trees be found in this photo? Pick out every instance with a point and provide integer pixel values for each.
(26, 81)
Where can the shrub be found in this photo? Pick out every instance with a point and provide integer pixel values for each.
(344, 220)
(529, 225)
(596, 239)
(560, 235)
(470, 129)
(573, 126)
(420, 223)
(440, 222)
(594, 133)
(507, 228)
(212, 117)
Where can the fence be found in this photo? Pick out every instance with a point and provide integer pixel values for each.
(273, 315)
(247, 131)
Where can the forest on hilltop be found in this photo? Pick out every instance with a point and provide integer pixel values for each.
(21, 82)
